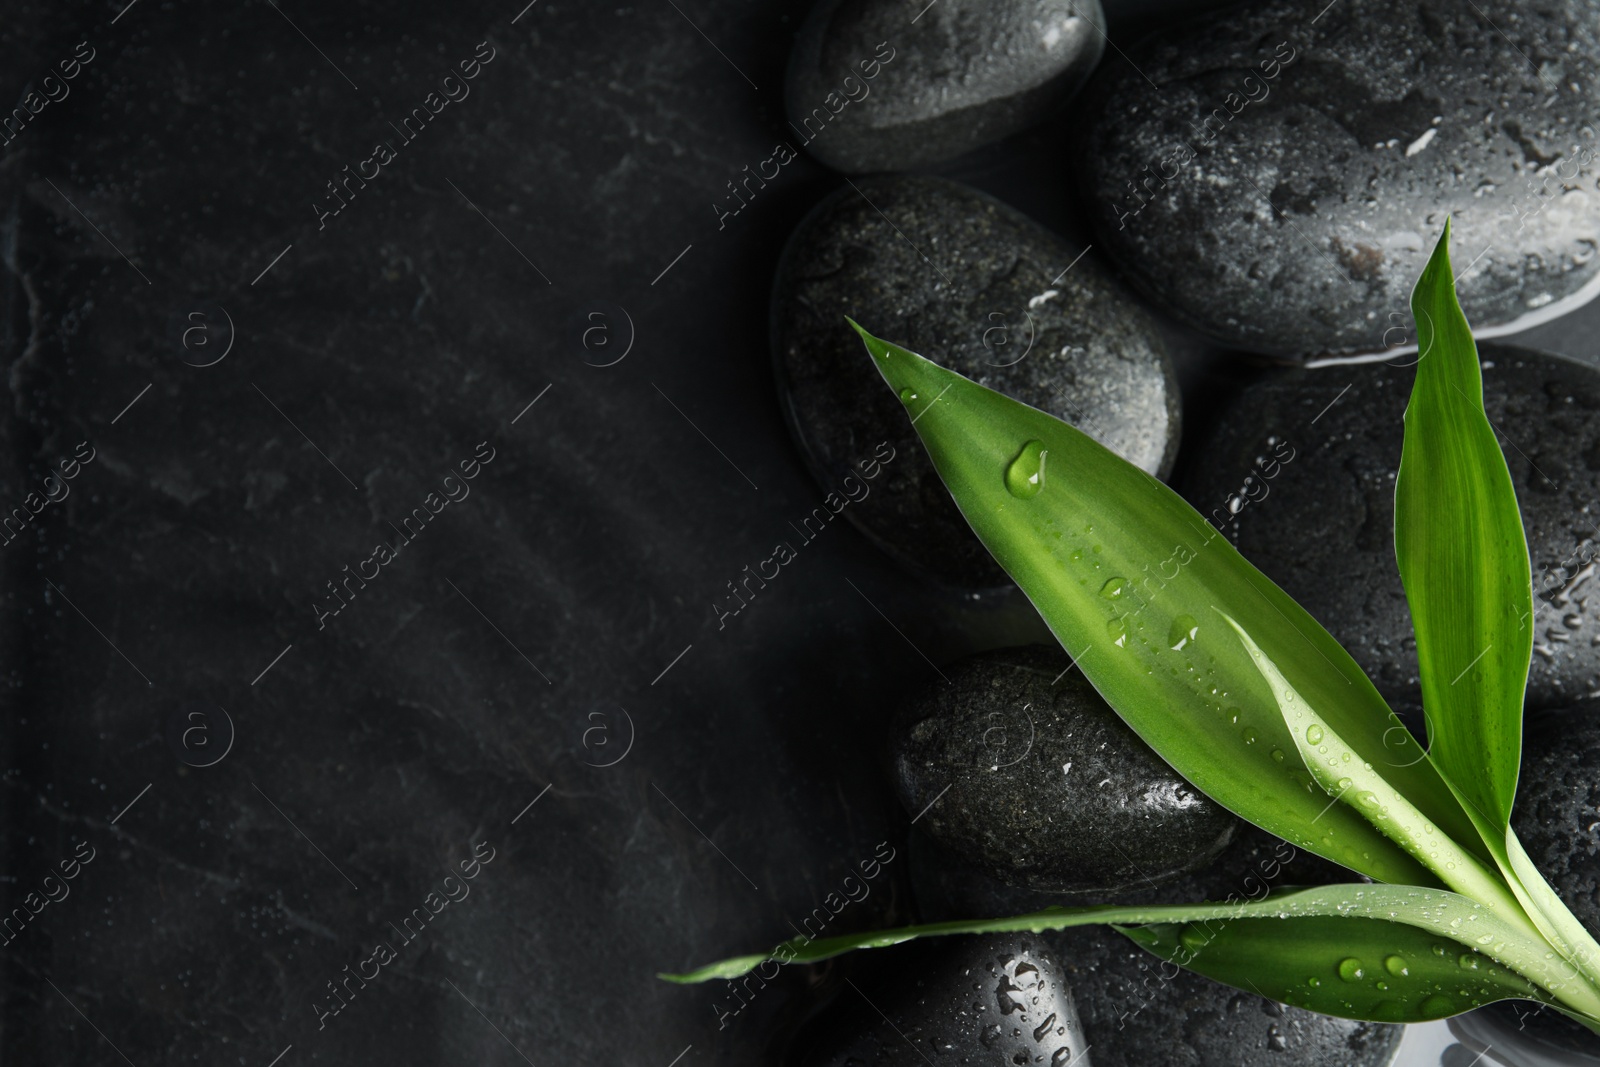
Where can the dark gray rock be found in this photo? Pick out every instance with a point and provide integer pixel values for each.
(968, 1000)
(1557, 813)
(1522, 1031)
(1134, 1015)
(1135, 1012)
(1556, 816)
(965, 280)
(1314, 508)
(1279, 180)
(876, 85)
(1041, 785)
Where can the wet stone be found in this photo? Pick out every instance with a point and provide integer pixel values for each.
(998, 1000)
(1135, 1010)
(1019, 768)
(1299, 472)
(1557, 818)
(999, 299)
(1278, 181)
(874, 86)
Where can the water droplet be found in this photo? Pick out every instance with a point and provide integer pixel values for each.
(1389, 1011)
(1438, 1006)
(907, 395)
(1350, 969)
(1314, 983)
(1438, 950)
(1345, 783)
(1396, 965)
(1117, 630)
(1249, 735)
(1113, 588)
(1184, 630)
(1314, 734)
(1468, 961)
(1025, 475)
(1278, 756)
(1382, 986)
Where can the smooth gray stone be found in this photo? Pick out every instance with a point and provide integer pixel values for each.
(959, 277)
(1315, 510)
(894, 84)
(1135, 1011)
(1041, 785)
(1556, 816)
(960, 1000)
(1278, 180)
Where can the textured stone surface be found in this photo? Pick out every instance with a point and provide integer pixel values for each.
(993, 299)
(1041, 785)
(959, 1000)
(1557, 813)
(1321, 524)
(1278, 181)
(876, 85)
(1133, 1014)
(411, 727)
(1557, 816)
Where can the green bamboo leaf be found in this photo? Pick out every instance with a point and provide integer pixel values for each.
(1353, 968)
(1287, 939)
(1349, 780)
(1463, 560)
(1131, 579)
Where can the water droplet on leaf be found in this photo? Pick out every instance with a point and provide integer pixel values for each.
(1184, 630)
(1025, 475)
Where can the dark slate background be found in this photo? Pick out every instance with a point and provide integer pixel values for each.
(490, 664)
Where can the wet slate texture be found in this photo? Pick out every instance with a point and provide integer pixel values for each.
(376, 747)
